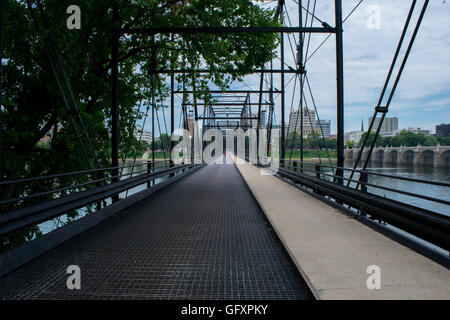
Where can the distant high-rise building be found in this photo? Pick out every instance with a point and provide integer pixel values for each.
(143, 136)
(326, 127)
(443, 130)
(309, 122)
(254, 122)
(390, 125)
(190, 122)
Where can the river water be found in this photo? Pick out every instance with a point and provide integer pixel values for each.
(423, 173)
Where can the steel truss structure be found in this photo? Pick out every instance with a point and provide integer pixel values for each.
(226, 117)
(229, 109)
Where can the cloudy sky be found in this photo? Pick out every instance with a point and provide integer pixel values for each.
(422, 98)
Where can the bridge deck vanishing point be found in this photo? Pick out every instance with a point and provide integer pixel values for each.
(204, 237)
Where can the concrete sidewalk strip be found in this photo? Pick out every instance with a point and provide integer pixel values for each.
(333, 251)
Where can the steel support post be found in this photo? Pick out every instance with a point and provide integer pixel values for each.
(261, 85)
(153, 118)
(283, 101)
(300, 68)
(115, 97)
(172, 110)
(2, 9)
(340, 89)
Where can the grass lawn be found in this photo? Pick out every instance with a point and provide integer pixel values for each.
(311, 154)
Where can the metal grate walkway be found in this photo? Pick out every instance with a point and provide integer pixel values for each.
(201, 238)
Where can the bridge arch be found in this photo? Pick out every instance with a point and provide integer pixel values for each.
(406, 158)
(424, 158)
(390, 157)
(365, 155)
(378, 156)
(442, 159)
(348, 155)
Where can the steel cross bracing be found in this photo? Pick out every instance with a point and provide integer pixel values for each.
(301, 29)
(218, 115)
(229, 109)
(383, 109)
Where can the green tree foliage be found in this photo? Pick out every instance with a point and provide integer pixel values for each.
(378, 143)
(136, 150)
(313, 141)
(33, 105)
(164, 142)
(332, 144)
(410, 139)
(350, 144)
(444, 141)
(316, 141)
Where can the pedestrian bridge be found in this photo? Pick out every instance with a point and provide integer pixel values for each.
(227, 230)
(239, 230)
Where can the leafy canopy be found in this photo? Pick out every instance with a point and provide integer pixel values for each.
(33, 105)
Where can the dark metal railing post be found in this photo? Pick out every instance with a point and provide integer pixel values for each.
(149, 172)
(318, 170)
(100, 176)
(115, 97)
(363, 180)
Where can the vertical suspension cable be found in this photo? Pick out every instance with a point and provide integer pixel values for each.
(318, 119)
(388, 78)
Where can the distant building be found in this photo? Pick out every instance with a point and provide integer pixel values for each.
(353, 136)
(254, 122)
(326, 127)
(309, 122)
(146, 136)
(443, 130)
(389, 126)
(190, 123)
(418, 130)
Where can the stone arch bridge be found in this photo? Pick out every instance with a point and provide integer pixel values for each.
(437, 156)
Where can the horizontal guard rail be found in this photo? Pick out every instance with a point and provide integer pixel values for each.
(74, 173)
(19, 219)
(372, 173)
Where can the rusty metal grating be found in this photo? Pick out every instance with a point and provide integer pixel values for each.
(201, 238)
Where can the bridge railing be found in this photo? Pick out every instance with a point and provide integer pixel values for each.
(78, 199)
(360, 194)
(67, 182)
(360, 181)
